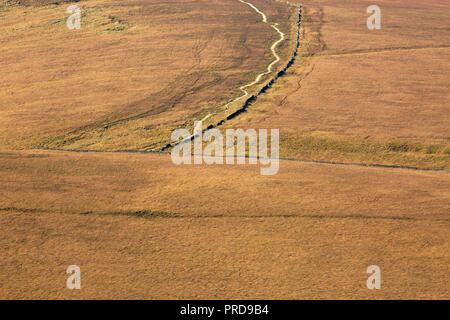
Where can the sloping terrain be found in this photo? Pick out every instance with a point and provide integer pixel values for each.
(365, 96)
(66, 182)
(134, 72)
(141, 227)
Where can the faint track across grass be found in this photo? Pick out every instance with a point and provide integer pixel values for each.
(270, 66)
(337, 163)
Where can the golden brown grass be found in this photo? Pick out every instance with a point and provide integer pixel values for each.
(222, 258)
(135, 70)
(141, 227)
(65, 182)
(357, 94)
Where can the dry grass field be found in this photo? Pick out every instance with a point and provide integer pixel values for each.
(65, 182)
(221, 258)
(130, 75)
(141, 227)
(377, 96)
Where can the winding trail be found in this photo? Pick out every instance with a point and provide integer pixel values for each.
(252, 98)
(270, 66)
